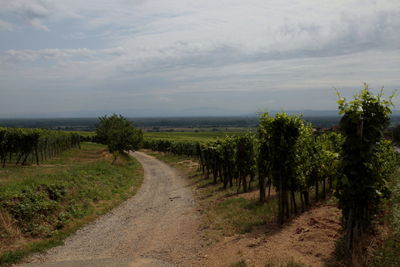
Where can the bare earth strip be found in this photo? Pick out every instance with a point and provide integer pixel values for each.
(157, 227)
(308, 239)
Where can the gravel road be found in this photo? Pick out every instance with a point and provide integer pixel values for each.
(156, 227)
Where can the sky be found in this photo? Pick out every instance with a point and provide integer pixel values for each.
(63, 58)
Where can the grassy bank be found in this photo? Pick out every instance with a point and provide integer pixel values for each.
(41, 205)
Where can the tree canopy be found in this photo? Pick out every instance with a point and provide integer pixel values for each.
(118, 134)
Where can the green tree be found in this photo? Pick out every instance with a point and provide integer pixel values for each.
(118, 134)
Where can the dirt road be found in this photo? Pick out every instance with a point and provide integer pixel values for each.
(157, 227)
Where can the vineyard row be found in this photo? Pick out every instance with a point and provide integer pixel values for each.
(285, 153)
(22, 146)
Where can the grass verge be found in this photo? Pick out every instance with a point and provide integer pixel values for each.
(41, 205)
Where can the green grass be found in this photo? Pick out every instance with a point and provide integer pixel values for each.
(242, 214)
(72, 157)
(41, 205)
(83, 133)
(188, 136)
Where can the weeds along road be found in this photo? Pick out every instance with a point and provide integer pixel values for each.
(156, 227)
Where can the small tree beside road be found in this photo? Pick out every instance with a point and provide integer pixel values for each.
(118, 134)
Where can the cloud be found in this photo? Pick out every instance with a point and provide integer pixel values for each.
(59, 54)
(31, 11)
(6, 26)
(167, 51)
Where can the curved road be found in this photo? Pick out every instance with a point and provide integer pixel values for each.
(156, 227)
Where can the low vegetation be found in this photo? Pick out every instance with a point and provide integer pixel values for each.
(41, 204)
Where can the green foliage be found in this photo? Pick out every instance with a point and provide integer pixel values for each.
(284, 144)
(34, 145)
(318, 161)
(118, 134)
(294, 159)
(245, 159)
(288, 136)
(264, 154)
(229, 158)
(367, 161)
(188, 148)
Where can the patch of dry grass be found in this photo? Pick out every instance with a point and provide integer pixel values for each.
(9, 232)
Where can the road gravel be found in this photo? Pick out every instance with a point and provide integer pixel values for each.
(156, 227)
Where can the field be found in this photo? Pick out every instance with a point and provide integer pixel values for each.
(181, 135)
(189, 136)
(231, 123)
(41, 205)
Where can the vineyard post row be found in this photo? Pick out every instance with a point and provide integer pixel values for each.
(285, 153)
(20, 146)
